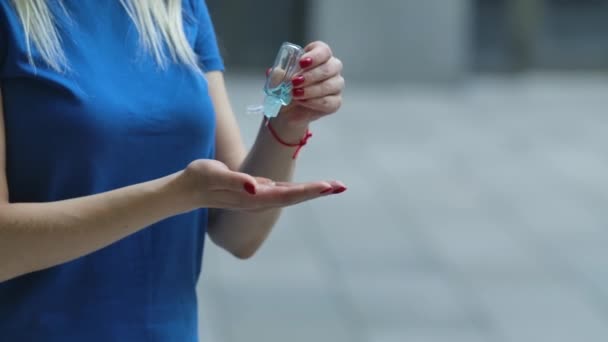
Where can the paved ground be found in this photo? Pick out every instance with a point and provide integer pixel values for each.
(475, 212)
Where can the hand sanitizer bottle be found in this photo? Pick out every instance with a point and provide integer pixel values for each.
(278, 87)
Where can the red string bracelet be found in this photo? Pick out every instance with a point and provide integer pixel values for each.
(299, 145)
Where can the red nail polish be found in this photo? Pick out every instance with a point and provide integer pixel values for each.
(326, 191)
(298, 92)
(305, 63)
(297, 81)
(250, 188)
(268, 72)
(340, 190)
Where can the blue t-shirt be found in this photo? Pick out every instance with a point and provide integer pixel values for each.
(113, 120)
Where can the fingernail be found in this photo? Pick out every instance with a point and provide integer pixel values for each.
(297, 81)
(250, 188)
(305, 63)
(268, 71)
(340, 190)
(298, 92)
(326, 191)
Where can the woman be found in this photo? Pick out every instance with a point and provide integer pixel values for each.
(116, 135)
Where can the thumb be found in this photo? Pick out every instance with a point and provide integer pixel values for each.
(226, 179)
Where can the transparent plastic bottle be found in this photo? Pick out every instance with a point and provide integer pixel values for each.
(278, 87)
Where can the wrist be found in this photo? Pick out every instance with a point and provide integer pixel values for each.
(290, 135)
(180, 189)
(289, 130)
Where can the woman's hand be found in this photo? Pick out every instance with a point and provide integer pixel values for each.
(317, 88)
(211, 184)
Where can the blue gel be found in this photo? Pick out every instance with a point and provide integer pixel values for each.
(278, 83)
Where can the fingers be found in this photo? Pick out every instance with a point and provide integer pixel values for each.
(332, 86)
(226, 179)
(277, 195)
(285, 191)
(286, 194)
(330, 187)
(276, 76)
(319, 86)
(264, 181)
(316, 53)
(323, 105)
(332, 68)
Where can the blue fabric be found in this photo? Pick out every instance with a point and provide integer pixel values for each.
(113, 120)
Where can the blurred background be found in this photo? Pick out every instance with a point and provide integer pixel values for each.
(473, 139)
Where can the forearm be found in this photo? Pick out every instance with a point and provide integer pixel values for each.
(241, 232)
(35, 236)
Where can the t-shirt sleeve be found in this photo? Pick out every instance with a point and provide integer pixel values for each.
(205, 45)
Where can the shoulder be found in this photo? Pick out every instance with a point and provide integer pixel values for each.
(193, 11)
(196, 4)
(196, 7)
(199, 8)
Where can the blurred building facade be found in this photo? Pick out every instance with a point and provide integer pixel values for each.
(556, 34)
(396, 40)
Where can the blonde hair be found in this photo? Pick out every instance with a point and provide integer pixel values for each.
(159, 23)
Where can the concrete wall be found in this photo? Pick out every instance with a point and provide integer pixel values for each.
(251, 32)
(396, 40)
